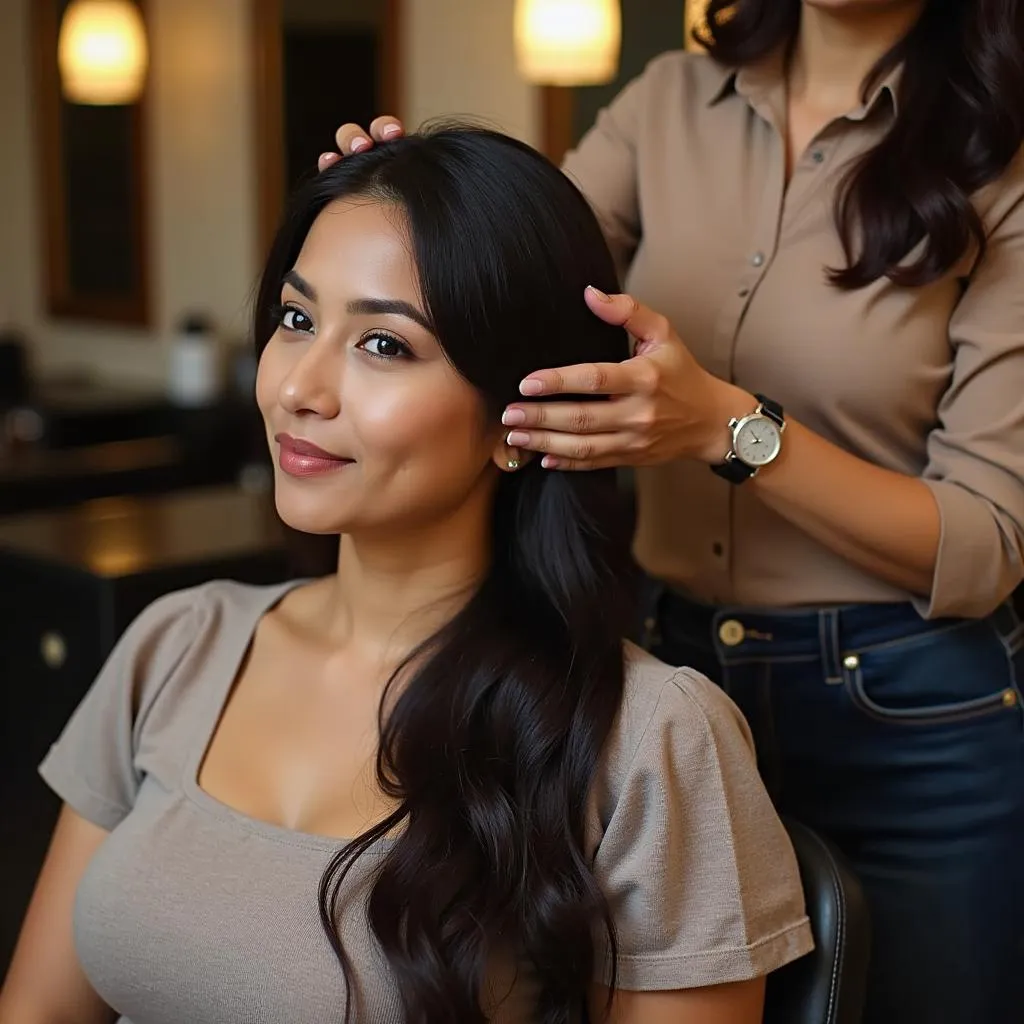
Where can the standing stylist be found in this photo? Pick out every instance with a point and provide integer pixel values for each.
(828, 419)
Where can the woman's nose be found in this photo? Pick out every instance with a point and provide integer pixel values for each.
(313, 384)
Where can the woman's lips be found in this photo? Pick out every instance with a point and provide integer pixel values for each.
(303, 458)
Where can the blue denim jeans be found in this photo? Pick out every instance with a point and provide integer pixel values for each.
(902, 741)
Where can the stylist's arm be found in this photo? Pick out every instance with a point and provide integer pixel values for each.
(663, 406)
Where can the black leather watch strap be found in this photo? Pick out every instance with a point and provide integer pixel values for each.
(733, 470)
(771, 409)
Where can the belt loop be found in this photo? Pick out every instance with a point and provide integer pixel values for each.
(828, 639)
(1006, 622)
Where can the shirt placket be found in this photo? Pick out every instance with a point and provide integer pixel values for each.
(751, 272)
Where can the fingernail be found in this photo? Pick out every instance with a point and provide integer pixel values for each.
(358, 145)
(513, 417)
(549, 462)
(531, 387)
(600, 294)
(391, 131)
(328, 158)
(517, 439)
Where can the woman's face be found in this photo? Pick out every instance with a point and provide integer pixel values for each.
(370, 426)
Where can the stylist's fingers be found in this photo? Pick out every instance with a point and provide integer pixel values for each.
(351, 138)
(386, 128)
(644, 324)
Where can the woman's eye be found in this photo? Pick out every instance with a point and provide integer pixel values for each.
(383, 346)
(293, 319)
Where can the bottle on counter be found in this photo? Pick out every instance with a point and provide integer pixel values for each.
(196, 370)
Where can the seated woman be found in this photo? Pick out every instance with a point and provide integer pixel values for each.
(434, 786)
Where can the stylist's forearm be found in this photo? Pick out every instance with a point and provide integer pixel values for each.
(882, 521)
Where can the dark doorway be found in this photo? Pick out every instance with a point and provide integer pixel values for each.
(330, 77)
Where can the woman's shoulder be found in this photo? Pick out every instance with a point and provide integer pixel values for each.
(686, 76)
(698, 871)
(677, 699)
(218, 607)
(199, 624)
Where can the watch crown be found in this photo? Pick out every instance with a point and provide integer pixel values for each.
(733, 423)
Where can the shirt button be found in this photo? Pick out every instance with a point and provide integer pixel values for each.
(731, 633)
(757, 259)
(743, 293)
(817, 156)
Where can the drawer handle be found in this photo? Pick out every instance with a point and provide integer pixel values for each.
(53, 649)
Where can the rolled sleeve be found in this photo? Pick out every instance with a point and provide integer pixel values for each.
(975, 466)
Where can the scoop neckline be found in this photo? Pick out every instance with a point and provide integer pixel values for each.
(224, 668)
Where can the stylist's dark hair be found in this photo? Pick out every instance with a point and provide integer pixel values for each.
(960, 123)
(492, 744)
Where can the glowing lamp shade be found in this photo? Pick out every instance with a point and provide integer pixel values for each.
(693, 18)
(568, 42)
(102, 52)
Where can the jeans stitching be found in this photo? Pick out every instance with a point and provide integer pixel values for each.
(957, 711)
(1011, 645)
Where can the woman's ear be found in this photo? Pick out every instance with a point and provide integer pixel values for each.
(507, 458)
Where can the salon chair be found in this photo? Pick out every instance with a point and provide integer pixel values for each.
(826, 986)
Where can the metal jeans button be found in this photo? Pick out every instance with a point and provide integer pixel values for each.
(731, 633)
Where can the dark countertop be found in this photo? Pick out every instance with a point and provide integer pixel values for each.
(124, 536)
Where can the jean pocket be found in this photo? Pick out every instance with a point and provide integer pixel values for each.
(952, 673)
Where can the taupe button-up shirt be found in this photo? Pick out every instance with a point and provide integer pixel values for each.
(686, 170)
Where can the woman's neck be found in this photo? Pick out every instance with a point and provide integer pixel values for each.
(395, 589)
(836, 49)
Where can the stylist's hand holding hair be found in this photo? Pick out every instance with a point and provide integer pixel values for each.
(663, 405)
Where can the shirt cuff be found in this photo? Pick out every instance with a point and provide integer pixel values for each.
(976, 566)
(78, 796)
(664, 973)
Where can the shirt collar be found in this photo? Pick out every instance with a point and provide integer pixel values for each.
(763, 82)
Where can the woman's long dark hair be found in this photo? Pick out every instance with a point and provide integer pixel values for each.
(492, 745)
(960, 123)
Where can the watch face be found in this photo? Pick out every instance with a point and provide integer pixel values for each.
(757, 441)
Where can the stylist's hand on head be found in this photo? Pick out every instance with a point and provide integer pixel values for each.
(662, 405)
(351, 138)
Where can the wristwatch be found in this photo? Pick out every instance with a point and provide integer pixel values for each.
(756, 441)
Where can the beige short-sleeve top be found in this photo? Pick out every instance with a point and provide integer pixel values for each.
(686, 170)
(191, 911)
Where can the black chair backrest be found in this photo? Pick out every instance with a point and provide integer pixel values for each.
(827, 985)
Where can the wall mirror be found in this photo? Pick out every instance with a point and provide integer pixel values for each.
(318, 63)
(92, 178)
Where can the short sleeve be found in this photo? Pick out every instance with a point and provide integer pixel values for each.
(975, 463)
(701, 880)
(91, 766)
(604, 168)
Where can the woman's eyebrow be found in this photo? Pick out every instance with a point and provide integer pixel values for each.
(363, 307)
(300, 284)
(396, 307)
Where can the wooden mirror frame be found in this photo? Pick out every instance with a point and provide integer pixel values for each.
(267, 91)
(60, 296)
